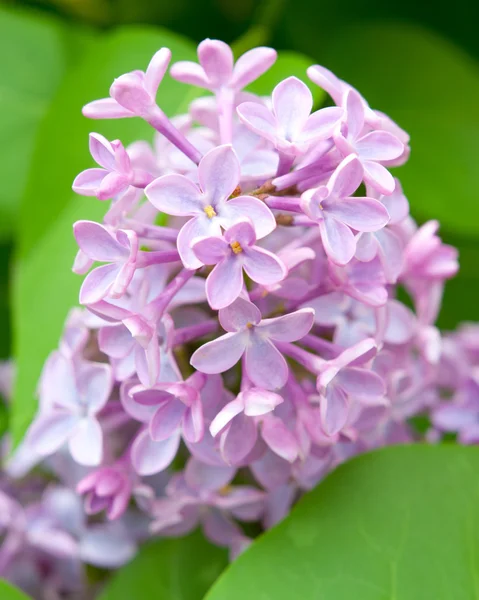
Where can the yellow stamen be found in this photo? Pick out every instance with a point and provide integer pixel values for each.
(320, 206)
(249, 325)
(210, 211)
(225, 490)
(236, 247)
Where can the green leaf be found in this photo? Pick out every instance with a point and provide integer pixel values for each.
(430, 88)
(400, 523)
(288, 64)
(44, 288)
(34, 59)
(169, 569)
(8, 592)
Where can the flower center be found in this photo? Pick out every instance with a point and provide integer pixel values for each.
(249, 325)
(236, 247)
(210, 211)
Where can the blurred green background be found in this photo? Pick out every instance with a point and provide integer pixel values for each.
(415, 61)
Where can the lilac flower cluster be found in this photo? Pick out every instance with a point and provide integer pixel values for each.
(224, 363)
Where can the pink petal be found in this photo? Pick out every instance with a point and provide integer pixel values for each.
(251, 65)
(280, 439)
(210, 250)
(379, 145)
(378, 177)
(197, 227)
(360, 383)
(238, 315)
(452, 417)
(49, 432)
(88, 182)
(193, 423)
(338, 240)
(334, 410)
(98, 243)
(355, 114)
(292, 104)
(346, 178)
(396, 204)
(362, 214)
(263, 266)
(175, 195)
(112, 185)
(86, 442)
(102, 151)
(327, 81)
(242, 232)
(219, 174)
(207, 477)
(290, 327)
(140, 412)
(265, 365)
(247, 207)
(366, 247)
(190, 72)
(225, 282)
(130, 92)
(115, 341)
(95, 382)
(106, 108)
(237, 441)
(401, 324)
(329, 308)
(149, 457)
(147, 362)
(321, 124)
(167, 420)
(260, 402)
(156, 70)
(220, 354)
(98, 283)
(390, 251)
(216, 58)
(227, 414)
(259, 119)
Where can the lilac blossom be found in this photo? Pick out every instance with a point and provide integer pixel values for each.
(149, 415)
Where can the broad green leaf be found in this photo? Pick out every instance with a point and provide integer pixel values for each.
(400, 523)
(8, 592)
(34, 58)
(288, 64)
(431, 88)
(44, 287)
(169, 569)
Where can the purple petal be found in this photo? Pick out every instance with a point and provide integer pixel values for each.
(86, 442)
(290, 327)
(220, 354)
(149, 457)
(327, 81)
(221, 530)
(292, 104)
(112, 185)
(106, 546)
(237, 441)
(190, 72)
(362, 214)
(207, 477)
(265, 365)
(156, 70)
(452, 417)
(226, 415)
(321, 124)
(193, 423)
(329, 308)
(197, 227)
(238, 315)
(390, 251)
(378, 177)
(115, 341)
(401, 324)
(247, 207)
(98, 283)
(355, 114)
(334, 410)
(98, 243)
(106, 108)
(242, 232)
(166, 421)
(88, 182)
(251, 65)
(338, 240)
(259, 119)
(130, 92)
(219, 174)
(263, 266)
(360, 383)
(210, 250)
(95, 382)
(49, 432)
(102, 151)
(379, 145)
(366, 247)
(147, 362)
(175, 195)
(346, 178)
(225, 282)
(280, 439)
(216, 58)
(137, 411)
(260, 402)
